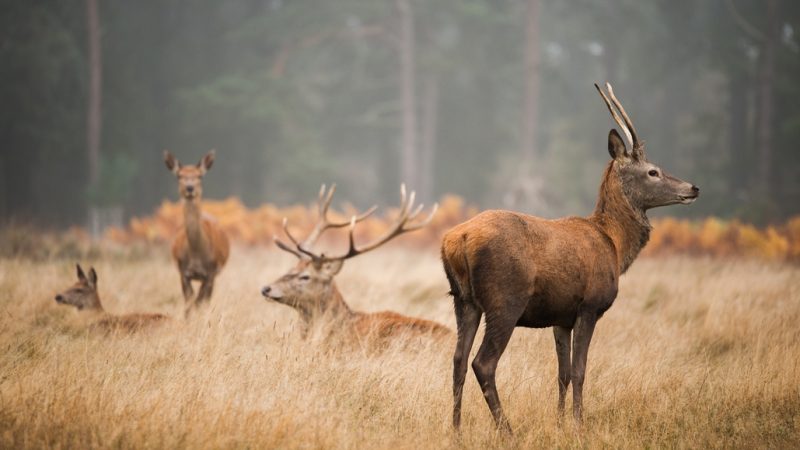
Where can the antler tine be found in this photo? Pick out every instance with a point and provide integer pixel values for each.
(323, 223)
(399, 227)
(423, 223)
(297, 244)
(616, 117)
(416, 212)
(285, 247)
(628, 121)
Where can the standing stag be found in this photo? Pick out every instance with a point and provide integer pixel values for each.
(309, 287)
(524, 271)
(83, 296)
(201, 247)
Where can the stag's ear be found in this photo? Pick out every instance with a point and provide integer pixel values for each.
(331, 268)
(81, 275)
(207, 161)
(92, 278)
(616, 146)
(171, 162)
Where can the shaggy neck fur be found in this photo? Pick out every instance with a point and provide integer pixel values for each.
(198, 241)
(333, 304)
(626, 225)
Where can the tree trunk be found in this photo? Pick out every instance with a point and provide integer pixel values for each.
(94, 114)
(409, 163)
(430, 113)
(766, 77)
(530, 115)
(93, 118)
(740, 159)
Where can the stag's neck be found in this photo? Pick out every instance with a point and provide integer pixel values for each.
(331, 304)
(627, 226)
(192, 219)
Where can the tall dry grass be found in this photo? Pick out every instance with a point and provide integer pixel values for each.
(695, 353)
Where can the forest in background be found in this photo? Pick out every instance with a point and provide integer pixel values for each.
(491, 101)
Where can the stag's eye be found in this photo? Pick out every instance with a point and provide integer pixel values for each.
(653, 173)
(304, 277)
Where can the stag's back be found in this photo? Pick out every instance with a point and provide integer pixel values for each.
(388, 324)
(515, 255)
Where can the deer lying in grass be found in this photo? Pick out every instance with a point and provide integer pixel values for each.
(310, 289)
(201, 247)
(523, 271)
(83, 296)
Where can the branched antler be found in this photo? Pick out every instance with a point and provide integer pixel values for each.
(323, 223)
(403, 224)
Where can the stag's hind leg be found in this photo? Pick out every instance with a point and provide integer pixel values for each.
(499, 327)
(563, 347)
(468, 317)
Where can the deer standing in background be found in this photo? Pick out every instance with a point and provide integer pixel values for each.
(310, 289)
(201, 247)
(83, 296)
(523, 271)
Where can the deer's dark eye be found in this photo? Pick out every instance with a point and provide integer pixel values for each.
(653, 173)
(304, 277)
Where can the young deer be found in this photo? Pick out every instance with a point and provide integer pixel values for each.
(83, 295)
(523, 271)
(310, 289)
(201, 247)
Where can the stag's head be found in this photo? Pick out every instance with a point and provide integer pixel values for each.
(190, 178)
(646, 185)
(309, 286)
(82, 294)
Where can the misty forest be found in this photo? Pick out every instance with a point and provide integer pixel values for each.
(491, 101)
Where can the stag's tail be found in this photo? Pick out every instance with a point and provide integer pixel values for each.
(456, 266)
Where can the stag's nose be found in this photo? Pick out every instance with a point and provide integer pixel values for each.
(695, 189)
(190, 188)
(265, 291)
(59, 298)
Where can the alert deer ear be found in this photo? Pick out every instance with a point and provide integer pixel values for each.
(92, 277)
(207, 161)
(81, 275)
(616, 146)
(171, 162)
(332, 267)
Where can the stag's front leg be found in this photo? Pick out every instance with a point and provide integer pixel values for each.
(582, 336)
(563, 337)
(186, 285)
(206, 290)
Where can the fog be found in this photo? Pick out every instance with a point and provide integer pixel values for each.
(491, 101)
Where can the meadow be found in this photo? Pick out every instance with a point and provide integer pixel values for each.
(696, 352)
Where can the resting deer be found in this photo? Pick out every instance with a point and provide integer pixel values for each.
(309, 286)
(83, 296)
(523, 271)
(201, 247)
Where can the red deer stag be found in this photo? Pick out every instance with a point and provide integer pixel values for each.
(83, 295)
(309, 286)
(524, 271)
(201, 247)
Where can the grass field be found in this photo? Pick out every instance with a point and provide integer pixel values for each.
(695, 353)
